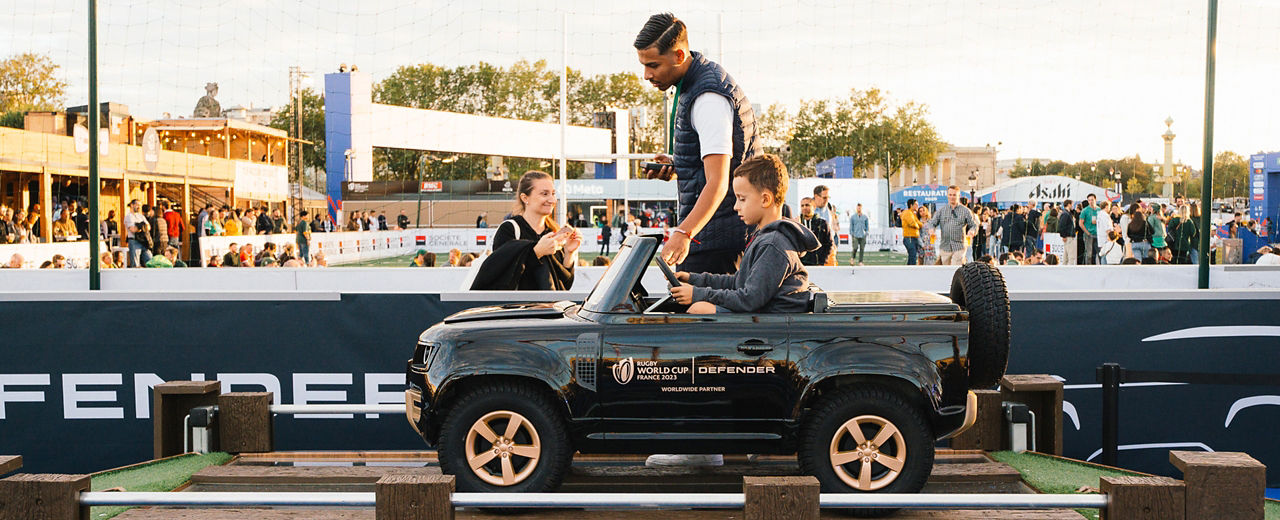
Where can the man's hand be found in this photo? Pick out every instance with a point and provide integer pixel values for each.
(682, 276)
(676, 248)
(667, 172)
(683, 294)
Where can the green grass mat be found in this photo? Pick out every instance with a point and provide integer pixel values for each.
(1053, 475)
(165, 475)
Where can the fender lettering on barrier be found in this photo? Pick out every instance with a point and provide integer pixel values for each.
(104, 395)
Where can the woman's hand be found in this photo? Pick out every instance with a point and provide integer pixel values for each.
(571, 240)
(548, 244)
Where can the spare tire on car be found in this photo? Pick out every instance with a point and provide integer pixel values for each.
(979, 288)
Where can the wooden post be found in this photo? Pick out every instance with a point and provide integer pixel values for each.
(1222, 485)
(780, 498)
(244, 422)
(986, 433)
(1143, 498)
(1043, 395)
(46, 205)
(10, 463)
(414, 497)
(172, 402)
(53, 497)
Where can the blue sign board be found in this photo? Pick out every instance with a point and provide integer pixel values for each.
(923, 193)
(1264, 192)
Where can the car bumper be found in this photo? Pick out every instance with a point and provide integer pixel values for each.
(413, 408)
(969, 417)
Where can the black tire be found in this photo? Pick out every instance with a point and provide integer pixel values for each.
(979, 289)
(824, 433)
(540, 415)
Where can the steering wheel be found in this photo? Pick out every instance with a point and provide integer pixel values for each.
(672, 282)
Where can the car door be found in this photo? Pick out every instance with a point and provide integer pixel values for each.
(685, 368)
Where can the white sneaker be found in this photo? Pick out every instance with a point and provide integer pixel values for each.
(684, 460)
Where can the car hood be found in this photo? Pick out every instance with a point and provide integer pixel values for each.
(514, 311)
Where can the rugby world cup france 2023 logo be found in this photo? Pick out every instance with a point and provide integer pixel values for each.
(624, 370)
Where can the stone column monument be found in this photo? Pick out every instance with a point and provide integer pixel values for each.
(1167, 190)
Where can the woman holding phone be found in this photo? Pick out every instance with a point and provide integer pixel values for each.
(531, 252)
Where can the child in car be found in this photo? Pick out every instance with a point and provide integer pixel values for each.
(771, 277)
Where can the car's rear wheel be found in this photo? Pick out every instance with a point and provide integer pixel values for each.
(867, 440)
(980, 290)
(505, 437)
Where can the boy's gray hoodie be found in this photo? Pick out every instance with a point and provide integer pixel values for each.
(770, 278)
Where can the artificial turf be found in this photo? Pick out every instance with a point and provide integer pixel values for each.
(1054, 475)
(162, 475)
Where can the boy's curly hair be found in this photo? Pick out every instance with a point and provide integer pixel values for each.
(765, 172)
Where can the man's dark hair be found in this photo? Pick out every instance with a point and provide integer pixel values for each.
(911, 202)
(817, 190)
(303, 213)
(1091, 196)
(664, 31)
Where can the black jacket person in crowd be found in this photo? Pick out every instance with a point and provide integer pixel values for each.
(818, 226)
(714, 131)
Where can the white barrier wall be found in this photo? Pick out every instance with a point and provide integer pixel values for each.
(77, 253)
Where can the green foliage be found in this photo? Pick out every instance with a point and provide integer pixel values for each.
(30, 82)
(866, 127)
(1057, 476)
(165, 475)
(13, 119)
(1230, 175)
(313, 155)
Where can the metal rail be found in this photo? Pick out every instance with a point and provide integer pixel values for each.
(598, 500)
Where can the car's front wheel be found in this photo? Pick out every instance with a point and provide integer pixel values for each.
(505, 437)
(867, 440)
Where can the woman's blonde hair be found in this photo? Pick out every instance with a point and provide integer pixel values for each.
(525, 187)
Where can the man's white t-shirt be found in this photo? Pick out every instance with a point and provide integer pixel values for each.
(712, 119)
(1269, 259)
(131, 218)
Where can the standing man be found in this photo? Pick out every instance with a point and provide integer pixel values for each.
(954, 223)
(824, 208)
(135, 222)
(402, 220)
(858, 227)
(1067, 230)
(606, 234)
(714, 131)
(1089, 230)
(911, 232)
(818, 225)
(1032, 242)
(303, 236)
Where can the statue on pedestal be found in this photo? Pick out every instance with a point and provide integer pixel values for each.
(207, 106)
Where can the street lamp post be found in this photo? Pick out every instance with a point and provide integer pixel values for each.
(1119, 186)
(973, 186)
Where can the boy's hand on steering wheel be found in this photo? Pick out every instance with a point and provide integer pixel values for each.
(682, 276)
(682, 294)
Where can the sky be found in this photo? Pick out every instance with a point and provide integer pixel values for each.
(1067, 79)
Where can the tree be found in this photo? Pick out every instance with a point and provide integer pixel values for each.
(867, 128)
(313, 155)
(1230, 175)
(29, 82)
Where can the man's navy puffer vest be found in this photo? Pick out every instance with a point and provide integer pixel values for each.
(725, 230)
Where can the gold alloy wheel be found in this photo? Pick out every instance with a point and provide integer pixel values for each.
(503, 447)
(867, 454)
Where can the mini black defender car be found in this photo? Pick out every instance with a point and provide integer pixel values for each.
(860, 388)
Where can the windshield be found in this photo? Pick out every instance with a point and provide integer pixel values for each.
(601, 298)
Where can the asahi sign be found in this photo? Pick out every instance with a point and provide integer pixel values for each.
(1044, 188)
